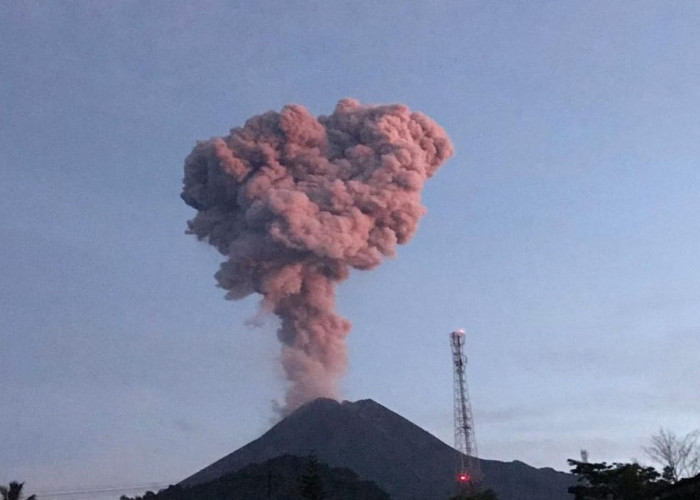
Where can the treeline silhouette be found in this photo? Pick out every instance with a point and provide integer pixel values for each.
(286, 477)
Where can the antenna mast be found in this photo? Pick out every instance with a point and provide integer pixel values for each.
(469, 471)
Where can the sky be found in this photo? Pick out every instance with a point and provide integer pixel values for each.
(563, 235)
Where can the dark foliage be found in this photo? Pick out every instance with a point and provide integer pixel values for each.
(617, 481)
(14, 492)
(281, 478)
(685, 489)
(482, 495)
(310, 482)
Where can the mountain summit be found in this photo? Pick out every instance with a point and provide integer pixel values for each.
(382, 446)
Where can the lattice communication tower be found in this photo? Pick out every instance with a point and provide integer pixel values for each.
(468, 469)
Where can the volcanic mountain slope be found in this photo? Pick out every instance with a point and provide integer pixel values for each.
(279, 478)
(381, 446)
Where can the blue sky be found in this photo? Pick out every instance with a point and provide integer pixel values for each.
(563, 235)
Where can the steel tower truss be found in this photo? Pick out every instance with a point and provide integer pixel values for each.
(468, 469)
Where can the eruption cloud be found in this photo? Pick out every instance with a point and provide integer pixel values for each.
(293, 202)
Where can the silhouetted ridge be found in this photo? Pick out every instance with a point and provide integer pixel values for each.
(382, 446)
(279, 478)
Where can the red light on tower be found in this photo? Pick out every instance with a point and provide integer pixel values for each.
(463, 478)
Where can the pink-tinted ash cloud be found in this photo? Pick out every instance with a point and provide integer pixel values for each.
(293, 202)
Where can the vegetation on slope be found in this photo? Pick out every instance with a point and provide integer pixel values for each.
(283, 478)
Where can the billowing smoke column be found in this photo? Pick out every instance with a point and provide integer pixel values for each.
(293, 202)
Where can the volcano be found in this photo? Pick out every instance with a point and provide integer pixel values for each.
(382, 446)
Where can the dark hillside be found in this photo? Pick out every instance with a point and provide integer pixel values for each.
(380, 445)
(278, 479)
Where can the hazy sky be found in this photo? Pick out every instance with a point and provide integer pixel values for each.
(563, 235)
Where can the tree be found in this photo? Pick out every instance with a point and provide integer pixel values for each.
(482, 495)
(14, 492)
(310, 482)
(617, 481)
(679, 456)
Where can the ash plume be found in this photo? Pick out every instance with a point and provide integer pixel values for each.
(293, 202)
